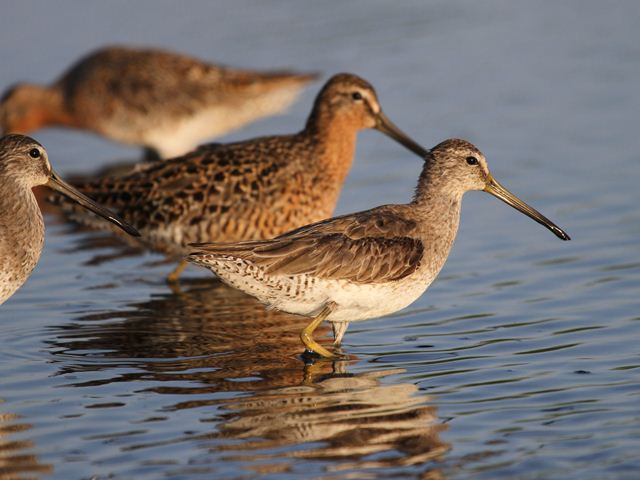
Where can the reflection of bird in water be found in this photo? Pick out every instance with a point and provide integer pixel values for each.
(210, 328)
(162, 100)
(210, 339)
(340, 416)
(15, 459)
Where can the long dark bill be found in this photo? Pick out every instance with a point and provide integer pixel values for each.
(387, 127)
(497, 190)
(56, 183)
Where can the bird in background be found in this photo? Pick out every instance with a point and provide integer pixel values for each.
(24, 164)
(164, 101)
(367, 264)
(248, 190)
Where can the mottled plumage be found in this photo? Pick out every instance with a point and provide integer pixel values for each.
(162, 100)
(254, 189)
(24, 165)
(365, 264)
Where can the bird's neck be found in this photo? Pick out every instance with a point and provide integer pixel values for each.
(21, 228)
(334, 142)
(439, 208)
(437, 204)
(436, 188)
(46, 107)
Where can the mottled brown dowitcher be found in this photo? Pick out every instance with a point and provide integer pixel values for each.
(161, 100)
(254, 189)
(366, 264)
(24, 165)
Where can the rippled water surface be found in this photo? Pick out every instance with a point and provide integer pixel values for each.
(521, 361)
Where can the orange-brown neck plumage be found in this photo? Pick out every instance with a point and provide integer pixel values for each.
(336, 144)
(26, 108)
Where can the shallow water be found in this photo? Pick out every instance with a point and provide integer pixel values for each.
(521, 361)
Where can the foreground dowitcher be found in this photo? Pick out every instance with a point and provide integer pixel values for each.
(365, 264)
(24, 165)
(161, 100)
(254, 189)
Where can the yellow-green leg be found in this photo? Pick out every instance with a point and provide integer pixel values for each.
(306, 334)
(174, 276)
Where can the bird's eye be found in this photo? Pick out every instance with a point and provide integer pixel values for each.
(472, 160)
(356, 96)
(34, 153)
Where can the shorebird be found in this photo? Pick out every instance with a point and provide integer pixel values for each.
(161, 100)
(249, 190)
(23, 165)
(365, 264)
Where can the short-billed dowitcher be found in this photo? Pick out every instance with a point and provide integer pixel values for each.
(366, 264)
(254, 189)
(161, 100)
(24, 165)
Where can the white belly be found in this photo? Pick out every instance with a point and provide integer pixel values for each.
(179, 137)
(354, 302)
(304, 295)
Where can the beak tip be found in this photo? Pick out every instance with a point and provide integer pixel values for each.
(131, 230)
(127, 227)
(561, 234)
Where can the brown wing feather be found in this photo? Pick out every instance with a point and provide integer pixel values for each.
(376, 246)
